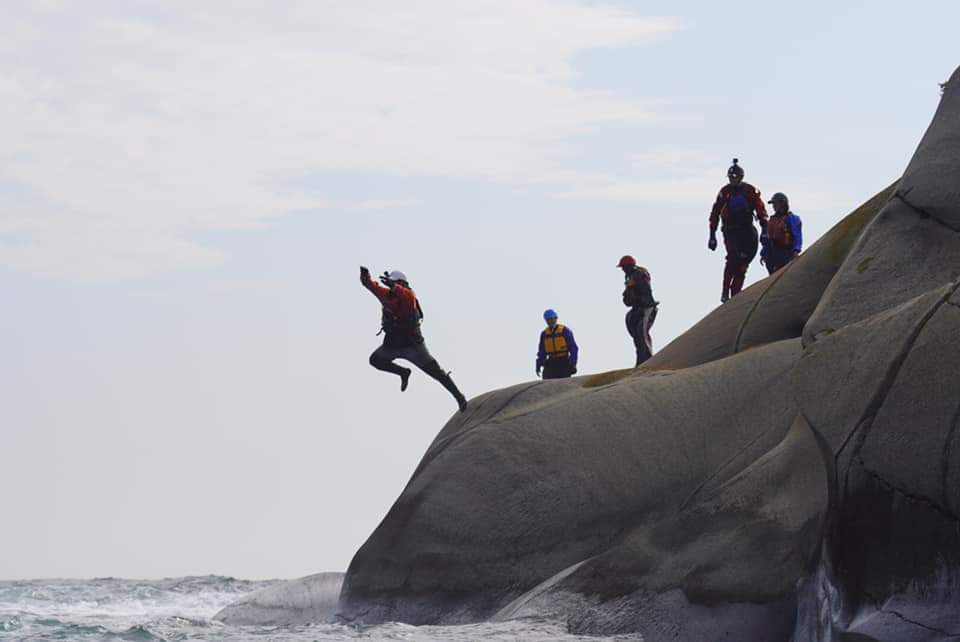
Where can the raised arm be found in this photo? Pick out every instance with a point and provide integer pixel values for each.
(375, 288)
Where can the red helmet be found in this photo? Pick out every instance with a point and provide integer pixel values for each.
(627, 261)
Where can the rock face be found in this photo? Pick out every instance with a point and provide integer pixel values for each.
(788, 470)
(308, 600)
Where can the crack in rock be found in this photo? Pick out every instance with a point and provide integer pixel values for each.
(920, 499)
(897, 614)
(902, 197)
(756, 304)
(945, 458)
(865, 423)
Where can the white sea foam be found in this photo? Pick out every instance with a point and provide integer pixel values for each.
(183, 608)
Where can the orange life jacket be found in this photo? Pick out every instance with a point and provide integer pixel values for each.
(554, 343)
(779, 232)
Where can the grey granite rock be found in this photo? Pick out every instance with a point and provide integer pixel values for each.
(786, 471)
(913, 244)
(308, 600)
(563, 474)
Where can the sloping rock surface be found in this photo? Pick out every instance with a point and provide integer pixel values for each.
(308, 600)
(786, 471)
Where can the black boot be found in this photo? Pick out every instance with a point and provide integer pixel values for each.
(451, 387)
(388, 366)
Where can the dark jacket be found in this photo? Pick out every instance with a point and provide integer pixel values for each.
(736, 207)
(637, 291)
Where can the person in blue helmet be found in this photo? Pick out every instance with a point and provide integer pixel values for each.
(558, 351)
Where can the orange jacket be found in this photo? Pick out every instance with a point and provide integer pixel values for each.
(401, 311)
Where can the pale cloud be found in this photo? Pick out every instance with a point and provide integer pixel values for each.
(133, 126)
(686, 189)
(248, 285)
(383, 204)
(696, 188)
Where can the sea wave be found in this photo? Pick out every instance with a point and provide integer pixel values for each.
(112, 609)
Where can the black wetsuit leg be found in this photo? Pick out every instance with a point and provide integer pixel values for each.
(639, 322)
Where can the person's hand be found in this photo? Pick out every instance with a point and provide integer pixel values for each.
(763, 260)
(538, 372)
(364, 274)
(712, 243)
(573, 370)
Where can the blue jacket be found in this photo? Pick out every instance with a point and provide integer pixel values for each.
(571, 348)
(792, 225)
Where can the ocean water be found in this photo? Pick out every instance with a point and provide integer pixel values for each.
(183, 609)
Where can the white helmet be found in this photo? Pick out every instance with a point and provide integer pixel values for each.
(398, 276)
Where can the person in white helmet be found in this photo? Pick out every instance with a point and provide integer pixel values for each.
(402, 338)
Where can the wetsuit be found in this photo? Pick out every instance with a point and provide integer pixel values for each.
(736, 207)
(638, 296)
(402, 338)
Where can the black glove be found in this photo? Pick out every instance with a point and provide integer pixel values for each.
(712, 243)
(538, 372)
(364, 275)
(573, 370)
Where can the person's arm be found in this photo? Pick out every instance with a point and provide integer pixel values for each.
(572, 347)
(375, 288)
(760, 208)
(715, 213)
(541, 354)
(797, 227)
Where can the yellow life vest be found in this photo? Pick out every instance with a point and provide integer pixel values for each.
(554, 344)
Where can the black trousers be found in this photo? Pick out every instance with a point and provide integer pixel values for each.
(639, 321)
(557, 369)
(417, 354)
(777, 258)
(383, 357)
(741, 244)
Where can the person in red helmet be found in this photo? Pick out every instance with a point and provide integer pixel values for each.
(402, 338)
(737, 204)
(638, 296)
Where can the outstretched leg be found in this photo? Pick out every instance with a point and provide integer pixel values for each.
(421, 357)
(382, 359)
(739, 276)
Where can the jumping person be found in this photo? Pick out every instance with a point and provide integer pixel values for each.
(737, 204)
(783, 241)
(402, 338)
(558, 351)
(638, 296)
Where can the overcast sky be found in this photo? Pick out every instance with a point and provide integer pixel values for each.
(187, 190)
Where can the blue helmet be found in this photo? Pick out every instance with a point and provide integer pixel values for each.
(549, 313)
